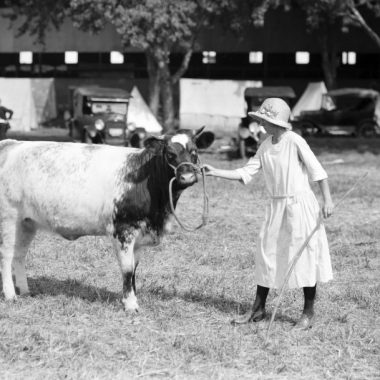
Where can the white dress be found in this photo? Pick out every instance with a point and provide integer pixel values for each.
(291, 214)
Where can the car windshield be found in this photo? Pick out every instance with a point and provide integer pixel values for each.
(109, 107)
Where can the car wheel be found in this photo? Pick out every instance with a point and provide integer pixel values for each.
(367, 130)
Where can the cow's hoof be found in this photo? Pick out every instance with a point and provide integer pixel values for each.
(130, 305)
(11, 298)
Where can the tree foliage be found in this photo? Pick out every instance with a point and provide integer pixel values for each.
(328, 18)
(157, 27)
(38, 16)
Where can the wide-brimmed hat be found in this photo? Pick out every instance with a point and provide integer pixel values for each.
(275, 111)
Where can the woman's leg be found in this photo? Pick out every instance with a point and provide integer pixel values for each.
(306, 319)
(257, 313)
(261, 298)
(309, 294)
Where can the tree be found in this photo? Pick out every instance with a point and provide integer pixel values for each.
(157, 27)
(353, 15)
(328, 18)
(39, 16)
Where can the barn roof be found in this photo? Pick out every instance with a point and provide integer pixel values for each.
(103, 93)
(269, 91)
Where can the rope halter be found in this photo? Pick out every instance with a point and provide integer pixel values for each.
(198, 169)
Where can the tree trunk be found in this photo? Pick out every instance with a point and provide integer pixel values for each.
(161, 83)
(329, 57)
(154, 84)
(167, 99)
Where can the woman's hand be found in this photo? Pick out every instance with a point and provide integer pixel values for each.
(327, 208)
(208, 169)
(328, 204)
(221, 173)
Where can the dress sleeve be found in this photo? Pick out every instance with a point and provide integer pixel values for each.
(250, 168)
(307, 157)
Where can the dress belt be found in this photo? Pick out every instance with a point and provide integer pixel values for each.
(282, 196)
(287, 196)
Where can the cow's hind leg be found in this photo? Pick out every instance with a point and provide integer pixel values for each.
(24, 235)
(125, 253)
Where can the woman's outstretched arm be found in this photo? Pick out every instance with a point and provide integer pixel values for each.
(222, 173)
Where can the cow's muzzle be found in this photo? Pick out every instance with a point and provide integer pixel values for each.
(186, 173)
(186, 179)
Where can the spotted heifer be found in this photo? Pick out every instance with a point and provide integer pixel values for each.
(77, 189)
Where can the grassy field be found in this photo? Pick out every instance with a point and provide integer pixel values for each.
(191, 286)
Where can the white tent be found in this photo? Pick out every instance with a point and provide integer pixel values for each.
(44, 98)
(140, 114)
(218, 104)
(16, 94)
(311, 99)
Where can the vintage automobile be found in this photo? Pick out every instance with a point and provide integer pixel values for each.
(250, 134)
(345, 111)
(99, 115)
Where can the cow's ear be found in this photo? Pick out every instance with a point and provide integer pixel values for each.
(154, 144)
(199, 131)
(203, 139)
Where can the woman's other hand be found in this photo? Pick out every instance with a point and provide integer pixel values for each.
(327, 209)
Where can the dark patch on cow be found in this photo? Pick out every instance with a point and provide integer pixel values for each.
(146, 197)
(146, 176)
(127, 283)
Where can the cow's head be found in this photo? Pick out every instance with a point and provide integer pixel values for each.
(180, 152)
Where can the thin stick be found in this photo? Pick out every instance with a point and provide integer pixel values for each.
(300, 251)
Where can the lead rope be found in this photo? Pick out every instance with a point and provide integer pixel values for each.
(205, 197)
(299, 253)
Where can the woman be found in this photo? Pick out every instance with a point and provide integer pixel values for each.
(287, 163)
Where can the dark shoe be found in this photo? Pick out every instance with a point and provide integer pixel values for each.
(250, 316)
(305, 322)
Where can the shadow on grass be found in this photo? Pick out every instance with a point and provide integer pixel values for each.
(222, 304)
(49, 286)
(40, 286)
(71, 288)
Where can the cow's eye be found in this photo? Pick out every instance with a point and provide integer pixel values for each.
(170, 156)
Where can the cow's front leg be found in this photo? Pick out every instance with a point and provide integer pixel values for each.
(124, 246)
(7, 250)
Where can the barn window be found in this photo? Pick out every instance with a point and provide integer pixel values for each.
(348, 58)
(255, 57)
(26, 57)
(71, 57)
(302, 57)
(116, 57)
(209, 57)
